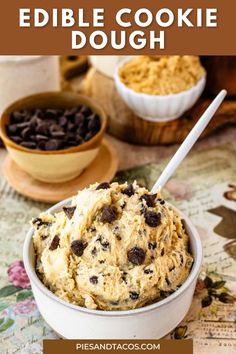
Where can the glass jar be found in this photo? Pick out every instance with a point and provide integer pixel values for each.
(25, 75)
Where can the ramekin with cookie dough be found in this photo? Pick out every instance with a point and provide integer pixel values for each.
(115, 261)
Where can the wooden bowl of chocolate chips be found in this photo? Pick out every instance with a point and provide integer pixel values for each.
(53, 136)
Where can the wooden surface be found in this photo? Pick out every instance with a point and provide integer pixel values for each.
(124, 125)
(103, 168)
(72, 66)
(221, 72)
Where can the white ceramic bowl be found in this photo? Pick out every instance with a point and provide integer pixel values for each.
(158, 108)
(149, 322)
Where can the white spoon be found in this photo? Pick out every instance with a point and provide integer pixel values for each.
(189, 141)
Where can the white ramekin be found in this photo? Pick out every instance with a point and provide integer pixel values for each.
(149, 322)
(158, 108)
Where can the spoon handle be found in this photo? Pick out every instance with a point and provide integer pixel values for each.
(189, 141)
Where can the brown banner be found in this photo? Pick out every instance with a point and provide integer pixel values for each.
(177, 40)
(118, 346)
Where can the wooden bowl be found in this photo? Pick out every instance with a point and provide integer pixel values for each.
(60, 165)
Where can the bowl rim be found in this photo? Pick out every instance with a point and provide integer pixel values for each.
(119, 83)
(95, 107)
(195, 270)
(23, 59)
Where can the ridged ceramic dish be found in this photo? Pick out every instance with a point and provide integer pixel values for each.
(60, 165)
(158, 108)
(149, 322)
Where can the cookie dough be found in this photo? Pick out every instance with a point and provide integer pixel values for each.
(162, 75)
(116, 247)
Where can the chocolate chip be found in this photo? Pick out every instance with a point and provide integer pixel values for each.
(85, 110)
(152, 245)
(26, 133)
(51, 145)
(114, 303)
(116, 230)
(71, 127)
(69, 211)
(23, 125)
(149, 199)
(33, 122)
(39, 137)
(142, 232)
(93, 280)
(71, 143)
(143, 209)
(53, 129)
(133, 295)
(88, 136)
(161, 201)
(18, 116)
(152, 218)
(101, 261)
(79, 139)
(81, 132)
(124, 279)
(94, 251)
(109, 215)
(123, 205)
(55, 243)
(41, 145)
(51, 113)
(93, 123)
(42, 128)
(16, 139)
(62, 121)
(32, 137)
(167, 281)
(136, 255)
(28, 144)
(78, 247)
(162, 252)
(103, 185)
(79, 119)
(58, 134)
(12, 129)
(39, 222)
(129, 190)
(99, 239)
(147, 271)
(105, 245)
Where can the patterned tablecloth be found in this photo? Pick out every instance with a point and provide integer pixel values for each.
(204, 188)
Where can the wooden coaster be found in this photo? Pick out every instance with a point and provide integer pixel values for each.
(103, 168)
(125, 125)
